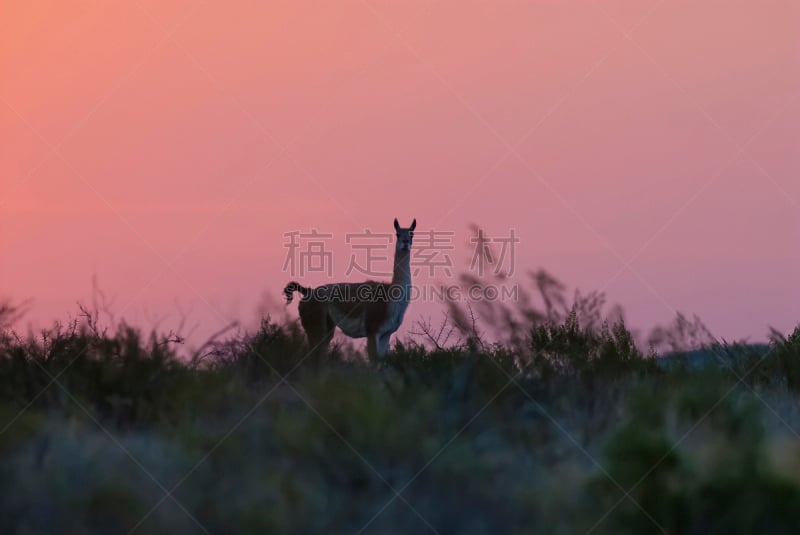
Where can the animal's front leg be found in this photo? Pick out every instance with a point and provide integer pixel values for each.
(382, 345)
(372, 347)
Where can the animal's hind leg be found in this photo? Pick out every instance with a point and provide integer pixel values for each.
(319, 341)
(316, 343)
(382, 345)
(318, 327)
(325, 340)
(372, 347)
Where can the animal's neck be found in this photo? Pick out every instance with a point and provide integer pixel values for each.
(402, 268)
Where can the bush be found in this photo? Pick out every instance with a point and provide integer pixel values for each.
(724, 484)
(559, 349)
(250, 436)
(274, 350)
(785, 352)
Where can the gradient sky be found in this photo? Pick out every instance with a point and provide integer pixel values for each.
(647, 148)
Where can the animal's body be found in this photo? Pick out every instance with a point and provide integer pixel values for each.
(370, 309)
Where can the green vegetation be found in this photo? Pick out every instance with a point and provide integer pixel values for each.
(571, 429)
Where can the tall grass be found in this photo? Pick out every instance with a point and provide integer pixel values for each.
(570, 428)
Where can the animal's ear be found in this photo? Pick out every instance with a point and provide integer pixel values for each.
(396, 225)
(413, 225)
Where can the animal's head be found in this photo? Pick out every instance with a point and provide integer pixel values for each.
(404, 235)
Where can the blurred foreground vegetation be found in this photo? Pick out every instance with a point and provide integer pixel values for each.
(569, 428)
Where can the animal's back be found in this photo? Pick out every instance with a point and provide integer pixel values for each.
(357, 308)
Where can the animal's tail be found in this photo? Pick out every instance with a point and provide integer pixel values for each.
(293, 287)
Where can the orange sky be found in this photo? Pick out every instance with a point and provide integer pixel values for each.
(648, 148)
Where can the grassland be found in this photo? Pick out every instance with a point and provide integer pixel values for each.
(569, 428)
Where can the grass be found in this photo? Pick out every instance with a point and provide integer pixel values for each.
(574, 430)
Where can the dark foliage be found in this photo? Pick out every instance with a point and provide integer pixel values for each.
(575, 429)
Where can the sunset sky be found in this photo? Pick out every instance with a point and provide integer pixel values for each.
(647, 148)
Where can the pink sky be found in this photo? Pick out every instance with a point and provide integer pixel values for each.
(647, 148)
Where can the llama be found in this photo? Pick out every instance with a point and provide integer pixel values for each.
(368, 309)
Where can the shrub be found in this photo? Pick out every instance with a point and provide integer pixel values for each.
(785, 351)
(476, 438)
(724, 485)
(571, 349)
(273, 350)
